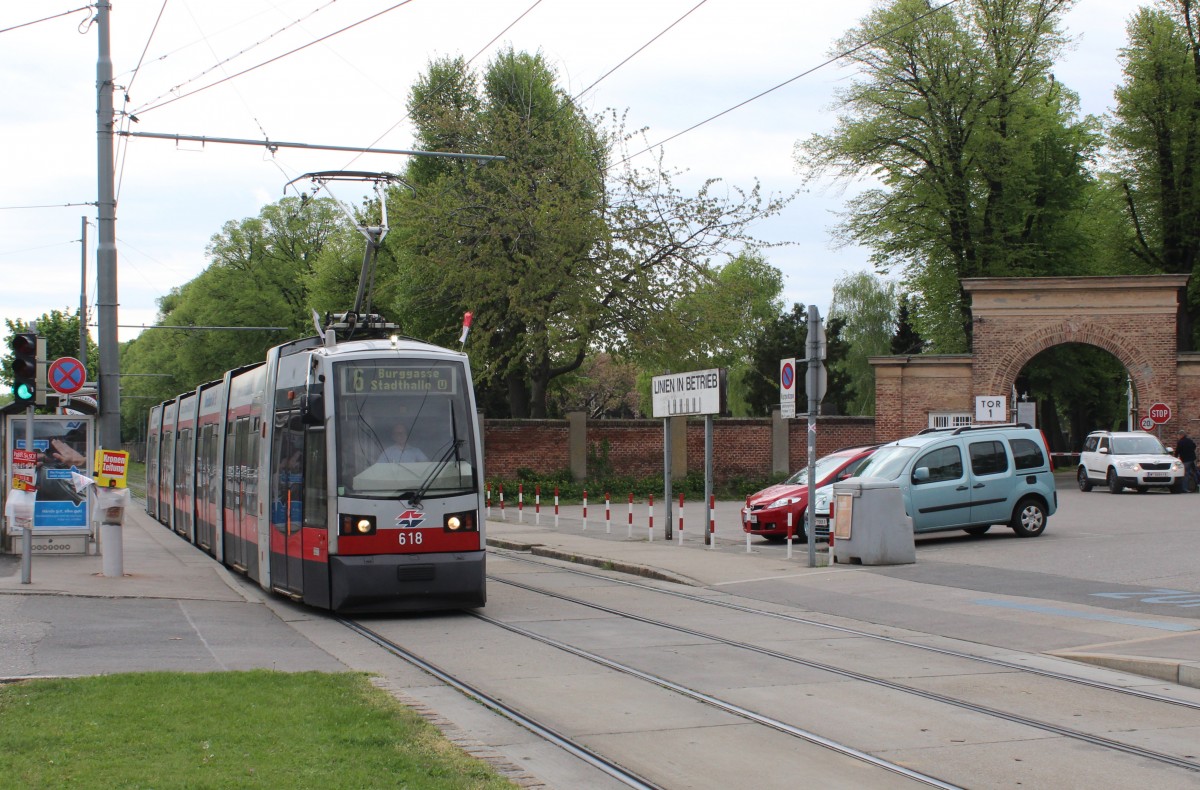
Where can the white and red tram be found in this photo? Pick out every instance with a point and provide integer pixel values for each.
(287, 472)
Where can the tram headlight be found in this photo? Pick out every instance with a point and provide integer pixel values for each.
(460, 522)
(356, 525)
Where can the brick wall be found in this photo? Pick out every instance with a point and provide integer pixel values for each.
(741, 447)
(1016, 318)
(540, 445)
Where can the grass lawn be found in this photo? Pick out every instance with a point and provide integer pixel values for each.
(220, 730)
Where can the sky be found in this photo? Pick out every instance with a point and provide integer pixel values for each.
(700, 58)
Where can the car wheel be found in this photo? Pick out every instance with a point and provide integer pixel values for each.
(1144, 489)
(1114, 485)
(1085, 485)
(1029, 518)
(977, 531)
(1180, 486)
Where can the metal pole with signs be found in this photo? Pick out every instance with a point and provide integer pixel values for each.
(700, 392)
(815, 382)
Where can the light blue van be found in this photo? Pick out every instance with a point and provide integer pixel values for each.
(970, 478)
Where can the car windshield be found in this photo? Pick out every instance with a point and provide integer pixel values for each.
(1137, 445)
(887, 462)
(825, 467)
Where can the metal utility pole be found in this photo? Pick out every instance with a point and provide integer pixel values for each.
(815, 383)
(106, 252)
(83, 322)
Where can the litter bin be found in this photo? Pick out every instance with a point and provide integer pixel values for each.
(869, 524)
(111, 503)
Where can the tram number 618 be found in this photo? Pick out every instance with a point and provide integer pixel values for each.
(411, 539)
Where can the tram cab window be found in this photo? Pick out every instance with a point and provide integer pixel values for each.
(402, 427)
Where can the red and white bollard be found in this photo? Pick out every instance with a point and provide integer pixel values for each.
(832, 556)
(537, 503)
(502, 516)
(607, 514)
(629, 530)
(585, 510)
(488, 489)
(681, 519)
(746, 522)
(650, 523)
(556, 507)
(789, 535)
(712, 521)
(521, 502)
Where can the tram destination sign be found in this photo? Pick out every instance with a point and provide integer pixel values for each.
(386, 379)
(685, 394)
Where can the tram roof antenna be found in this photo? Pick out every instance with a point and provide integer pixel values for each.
(374, 234)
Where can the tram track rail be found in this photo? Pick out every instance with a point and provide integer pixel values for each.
(1184, 762)
(856, 632)
(596, 760)
(610, 767)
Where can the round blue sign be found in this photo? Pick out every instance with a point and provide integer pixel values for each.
(787, 376)
(66, 375)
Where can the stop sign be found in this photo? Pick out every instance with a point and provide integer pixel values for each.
(1160, 413)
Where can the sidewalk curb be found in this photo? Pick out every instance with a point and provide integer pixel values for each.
(1183, 673)
(606, 563)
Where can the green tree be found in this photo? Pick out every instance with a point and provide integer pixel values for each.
(868, 308)
(556, 251)
(1156, 134)
(906, 340)
(978, 156)
(784, 338)
(259, 275)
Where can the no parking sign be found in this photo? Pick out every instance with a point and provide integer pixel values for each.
(66, 375)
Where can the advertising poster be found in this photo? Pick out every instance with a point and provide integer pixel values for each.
(62, 445)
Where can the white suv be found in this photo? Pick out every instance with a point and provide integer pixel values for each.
(1133, 459)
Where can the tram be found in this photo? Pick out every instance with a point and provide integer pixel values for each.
(345, 474)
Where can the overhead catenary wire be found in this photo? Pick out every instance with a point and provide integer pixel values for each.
(234, 56)
(789, 81)
(126, 117)
(438, 89)
(45, 19)
(290, 52)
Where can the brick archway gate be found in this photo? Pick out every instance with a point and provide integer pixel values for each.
(1135, 318)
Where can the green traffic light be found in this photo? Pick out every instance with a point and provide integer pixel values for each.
(23, 392)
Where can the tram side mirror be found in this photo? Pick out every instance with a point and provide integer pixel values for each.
(312, 407)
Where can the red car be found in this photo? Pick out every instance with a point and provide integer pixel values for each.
(766, 513)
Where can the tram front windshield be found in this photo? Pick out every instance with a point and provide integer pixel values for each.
(403, 428)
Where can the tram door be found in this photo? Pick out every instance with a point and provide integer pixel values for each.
(287, 505)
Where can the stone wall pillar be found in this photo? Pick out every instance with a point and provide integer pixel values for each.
(780, 449)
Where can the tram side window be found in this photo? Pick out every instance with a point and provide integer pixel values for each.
(287, 479)
(252, 459)
(315, 480)
(231, 471)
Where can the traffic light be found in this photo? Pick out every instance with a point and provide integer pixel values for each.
(24, 368)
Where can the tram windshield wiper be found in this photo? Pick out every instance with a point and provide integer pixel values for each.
(415, 497)
(451, 452)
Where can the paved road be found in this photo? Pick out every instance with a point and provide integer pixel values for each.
(1113, 580)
